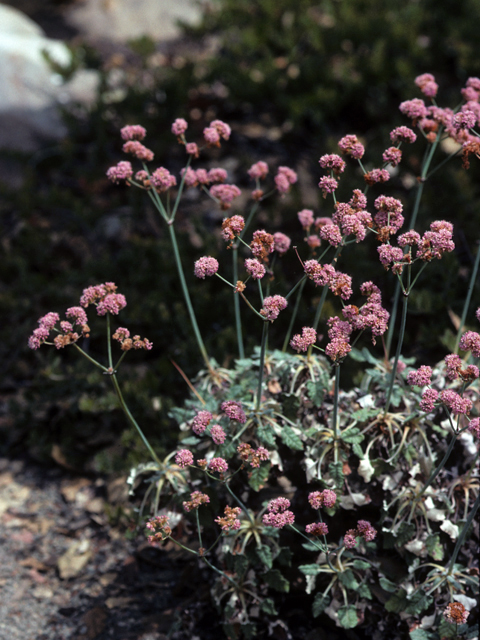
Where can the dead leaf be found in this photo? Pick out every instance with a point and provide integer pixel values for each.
(74, 560)
(59, 457)
(455, 320)
(95, 621)
(274, 386)
(97, 505)
(70, 488)
(115, 603)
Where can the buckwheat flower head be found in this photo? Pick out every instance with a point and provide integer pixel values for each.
(192, 149)
(327, 185)
(402, 134)
(211, 136)
(317, 529)
(334, 162)
(205, 266)
(278, 515)
(469, 94)
(321, 274)
(284, 179)
(255, 268)
(49, 320)
(322, 222)
(414, 109)
(121, 171)
(338, 348)
(302, 342)
(349, 539)
(225, 193)
(161, 179)
(184, 458)
(179, 127)
(341, 285)
(112, 303)
(331, 233)
(217, 175)
(201, 421)
(218, 464)
(410, 238)
(365, 529)
(222, 128)
(470, 341)
(437, 241)
(262, 244)
(464, 120)
(455, 613)
(389, 212)
(313, 241)
(393, 156)
(281, 242)
(474, 427)
(427, 85)
(352, 147)
(232, 227)
(420, 378)
(38, 337)
(218, 434)
(259, 455)
(160, 527)
(258, 171)
(358, 201)
(454, 366)
(121, 334)
(66, 326)
(455, 402)
(352, 225)
(137, 149)
(234, 411)
(197, 498)
(429, 397)
(305, 217)
(189, 177)
(376, 176)
(325, 498)
(133, 132)
(272, 305)
(477, 314)
(230, 521)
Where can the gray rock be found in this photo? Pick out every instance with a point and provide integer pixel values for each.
(30, 91)
(123, 20)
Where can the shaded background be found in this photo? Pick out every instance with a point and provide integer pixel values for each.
(291, 78)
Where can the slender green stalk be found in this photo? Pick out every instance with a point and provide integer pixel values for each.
(461, 537)
(85, 355)
(242, 506)
(335, 411)
(399, 350)
(294, 314)
(262, 364)
(186, 296)
(471, 287)
(126, 410)
(236, 305)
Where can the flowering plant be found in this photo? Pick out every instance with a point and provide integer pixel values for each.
(275, 436)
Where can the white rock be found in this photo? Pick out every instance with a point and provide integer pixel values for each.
(29, 90)
(123, 20)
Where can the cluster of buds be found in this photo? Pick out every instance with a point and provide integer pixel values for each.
(278, 515)
(231, 228)
(122, 335)
(253, 456)
(272, 305)
(364, 530)
(326, 498)
(201, 421)
(160, 528)
(340, 284)
(67, 334)
(234, 411)
(262, 244)
(230, 521)
(197, 498)
(455, 613)
(104, 297)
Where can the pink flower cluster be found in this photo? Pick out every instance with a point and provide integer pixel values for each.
(402, 134)
(470, 341)
(225, 194)
(284, 179)
(333, 162)
(122, 335)
(474, 427)
(234, 411)
(281, 242)
(272, 305)
(326, 498)
(194, 178)
(216, 130)
(327, 185)
(133, 132)
(455, 402)
(217, 434)
(426, 83)
(121, 171)
(455, 613)
(218, 464)
(253, 456)
(262, 244)
(305, 340)
(161, 180)
(420, 378)
(40, 335)
(364, 529)
(351, 146)
(351, 218)
(306, 219)
(258, 171)
(104, 297)
(317, 529)
(201, 421)
(278, 515)
(232, 227)
(206, 266)
(197, 498)
(160, 527)
(184, 458)
(340, 284)
(179, 127)
(138, 150)
(230, 521)
(255, 268)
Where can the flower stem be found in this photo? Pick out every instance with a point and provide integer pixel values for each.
(236, 304)
(262, 363)
(471, 287)
(335, 411)
(461, 537)
(398, 352)
(186, 296)
(294, 314)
